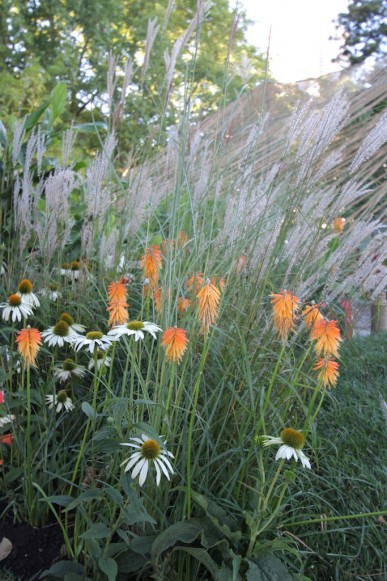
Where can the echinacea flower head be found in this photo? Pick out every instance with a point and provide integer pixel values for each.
(135, 328)
(68, 369)
(60, 401)
(151, 263)
(26, 294)
(59, 334)
(15, 309)
(117, 291)
(329, 371)
(52, 292)
(327, 336)
(148, 452)
(92, 340)
(28, 342)
(175, 342)
(72, 324)
(208, 297)
(291, 442)
(311, 314)
(102, 360)
(118, 312)
(285, 307)
(338, 224)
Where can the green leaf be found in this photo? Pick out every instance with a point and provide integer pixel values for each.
(115, 495)
(204, 558)
(97, 531)
(92, 127)
(266, 567)
(33, 118)
(183, 531)
(41, 205)
(88, 410)
(130, 562)
(142, 545)
(119, 410)
(57, 101)
(61, 568)
(86, 496)
(135, 512)
(61, 500)
(109, 567)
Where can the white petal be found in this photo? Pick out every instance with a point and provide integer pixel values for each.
(143, 473)
(158, 473)
(163, 468)
(138, 467)
(166, 461)
(132, 461)
(304, 459)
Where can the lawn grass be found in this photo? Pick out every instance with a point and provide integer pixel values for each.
(349, 474)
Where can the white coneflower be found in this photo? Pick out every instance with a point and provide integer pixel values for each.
(102, 360)
(135, 328)
(59, 334)
(69, 369)
(148, 451)
(27, 296)
(92, 340)
(60, 400)
(52, 292)
(291, 443)
(71, 323)
(15, 309)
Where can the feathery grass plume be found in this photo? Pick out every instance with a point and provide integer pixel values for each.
(373, 141)
(285, 307)
(328, 371)
(327, 336)
(175, 342)
(311, 314)
(28, 342)
(151, 263)
(208, 297)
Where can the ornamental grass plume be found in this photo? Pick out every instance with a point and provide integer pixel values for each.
(285, 307)
(175, 342)
(28, 342)
(208, 297)
(311, 314)
(151, 263)
(328, 371)
(327, 336)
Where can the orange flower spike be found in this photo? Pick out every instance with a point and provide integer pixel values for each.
(29, 341)
(151, 263)
(327, 336)
(194, 283)
(183, 304)
(118, 312)
(338, 225)
(285, 307)
(117, 291)
(311, 315)
(175, 342)
(208, 297)
(329, 371)
(182, 238)
(157, 299)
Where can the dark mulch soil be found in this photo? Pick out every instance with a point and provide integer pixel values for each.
(34, 550)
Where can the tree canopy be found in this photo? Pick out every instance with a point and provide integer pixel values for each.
(43, 43)
(365, 30)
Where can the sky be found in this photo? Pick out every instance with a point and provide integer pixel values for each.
(300, 29)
